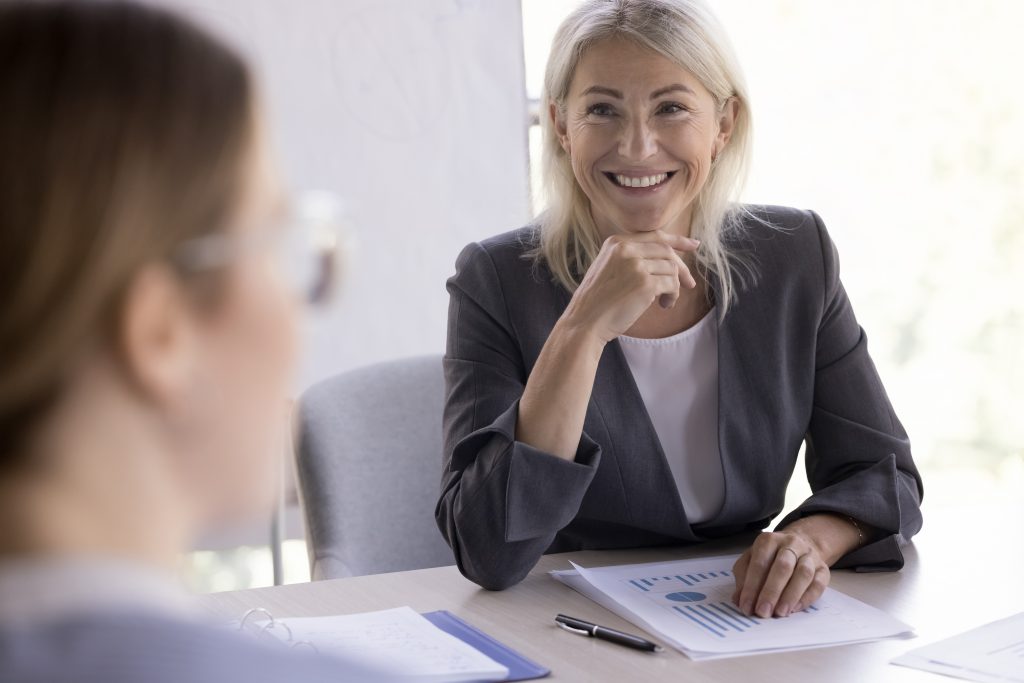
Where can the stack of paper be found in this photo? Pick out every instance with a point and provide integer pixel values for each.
(398, 642)
(688, 604)
(994, 652)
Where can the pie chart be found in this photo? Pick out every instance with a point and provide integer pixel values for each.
(685, 596)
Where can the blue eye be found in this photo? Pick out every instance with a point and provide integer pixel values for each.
(671, 108)
(600, 109)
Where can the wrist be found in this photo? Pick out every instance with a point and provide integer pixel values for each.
(832, 536)
(578, 336)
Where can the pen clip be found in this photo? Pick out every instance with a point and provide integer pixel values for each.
(570, 629)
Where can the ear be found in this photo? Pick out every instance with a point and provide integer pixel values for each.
(560, 127)
(157, 337)
(726, 123)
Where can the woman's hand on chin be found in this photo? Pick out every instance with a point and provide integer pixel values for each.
(630, 273)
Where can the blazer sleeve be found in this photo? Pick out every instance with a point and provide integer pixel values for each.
(502, 501)
(858, 455)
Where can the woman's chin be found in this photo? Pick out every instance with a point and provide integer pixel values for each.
(638, 221)
(637, 228)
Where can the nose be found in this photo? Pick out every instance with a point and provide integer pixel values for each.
(638, 141)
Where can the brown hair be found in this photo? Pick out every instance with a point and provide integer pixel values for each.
(123, 132)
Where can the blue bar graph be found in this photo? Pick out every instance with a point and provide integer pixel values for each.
(720, 619)
(689, 580)
(743, 618)
(700, 622)
(733, 616)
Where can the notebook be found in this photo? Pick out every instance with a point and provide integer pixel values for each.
(519, 667)
(437, 646)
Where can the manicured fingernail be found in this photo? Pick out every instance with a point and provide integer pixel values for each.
(764, 610)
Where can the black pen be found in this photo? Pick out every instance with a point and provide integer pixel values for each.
(585, 628)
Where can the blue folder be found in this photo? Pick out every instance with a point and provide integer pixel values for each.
(519, 667)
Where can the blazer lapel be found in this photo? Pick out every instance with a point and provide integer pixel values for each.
(631, 446)
(730, 388)
(653, 497)
(742, 430)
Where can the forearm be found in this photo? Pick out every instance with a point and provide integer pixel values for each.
(554, 403)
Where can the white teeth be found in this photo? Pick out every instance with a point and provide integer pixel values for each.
(643, 181)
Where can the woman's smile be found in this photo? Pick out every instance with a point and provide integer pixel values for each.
(633, 184)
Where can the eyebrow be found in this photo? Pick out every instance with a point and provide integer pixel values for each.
(675, 87)
(601, 90)
(611, 92)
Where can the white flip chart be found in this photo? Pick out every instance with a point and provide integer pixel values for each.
(415, 113)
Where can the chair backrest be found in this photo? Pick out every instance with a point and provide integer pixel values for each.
(368, 463)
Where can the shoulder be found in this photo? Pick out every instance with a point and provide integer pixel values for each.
(785, 242)
(763, 227)
(784, 256)
(502, 250)
(505, 260)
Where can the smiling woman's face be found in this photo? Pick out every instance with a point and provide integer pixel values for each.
(641, 133)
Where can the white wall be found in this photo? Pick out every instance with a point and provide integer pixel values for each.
(414, 111)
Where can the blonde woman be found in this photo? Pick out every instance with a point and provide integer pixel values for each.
(147, 336)
(642, 366)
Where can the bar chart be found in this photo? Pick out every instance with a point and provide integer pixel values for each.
(701, 600)
(690, 580)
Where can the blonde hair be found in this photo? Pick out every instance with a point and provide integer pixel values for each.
(687, 33)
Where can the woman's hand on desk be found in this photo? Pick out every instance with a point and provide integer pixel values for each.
(787, 570)
(630, 273)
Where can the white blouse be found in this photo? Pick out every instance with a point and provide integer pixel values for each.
(678, 380)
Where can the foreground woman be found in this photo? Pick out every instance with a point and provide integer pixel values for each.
(146, 342)
(642, 366)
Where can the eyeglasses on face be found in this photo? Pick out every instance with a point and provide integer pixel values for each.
(307, 246)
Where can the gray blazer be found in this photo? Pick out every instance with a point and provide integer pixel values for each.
(793, 367)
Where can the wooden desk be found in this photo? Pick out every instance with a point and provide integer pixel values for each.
(957, 577)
